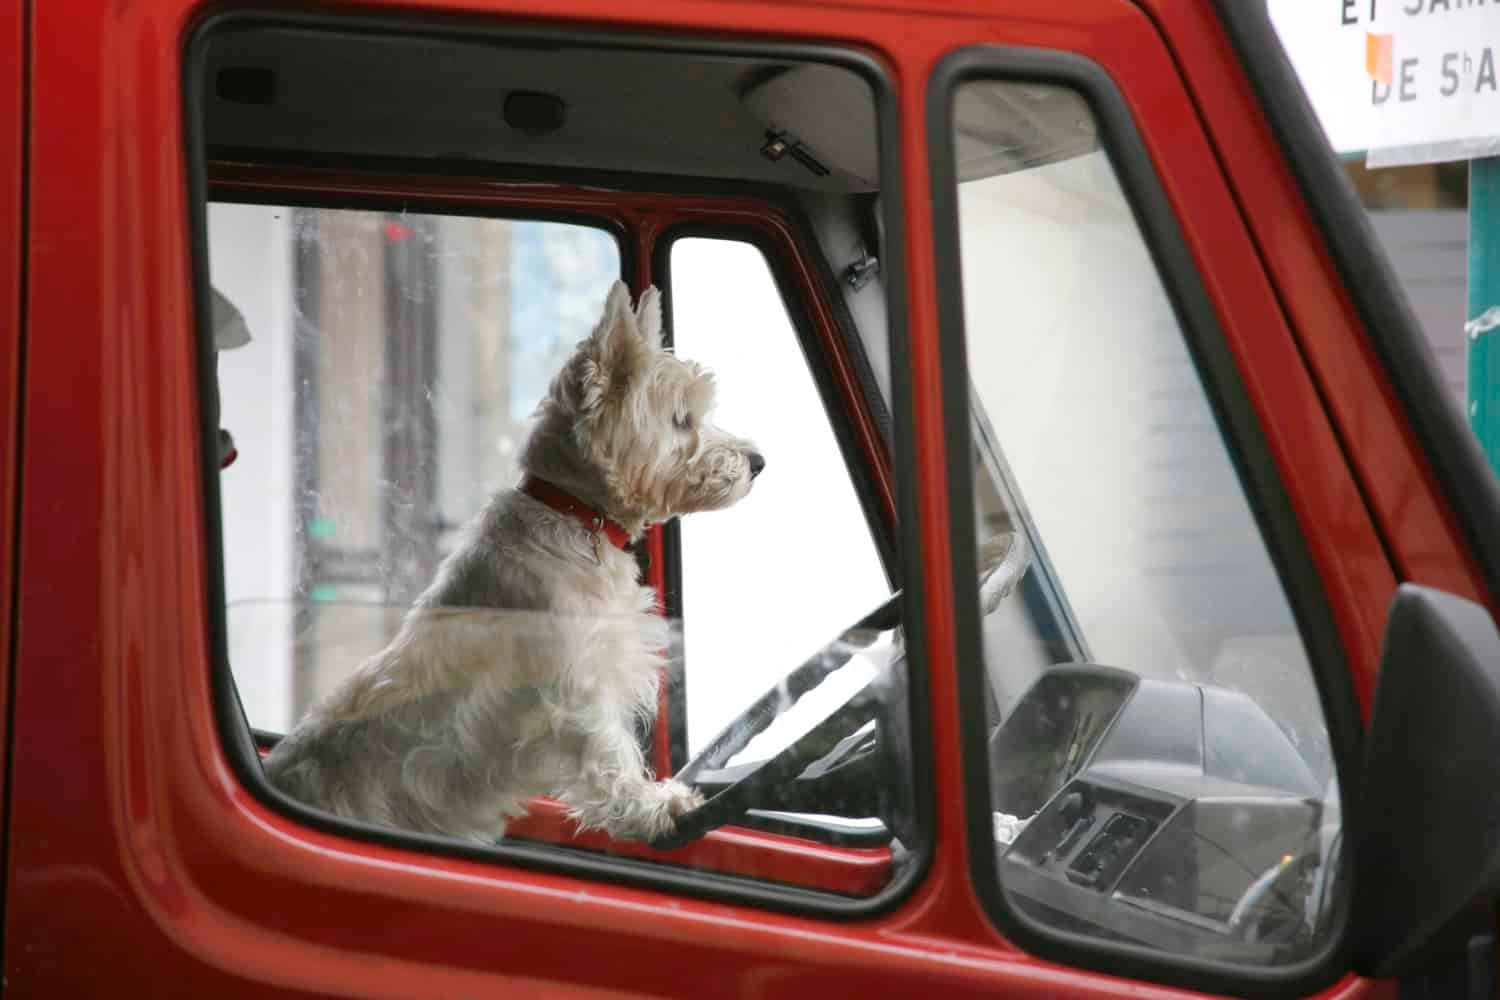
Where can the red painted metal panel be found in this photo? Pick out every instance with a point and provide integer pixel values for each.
(641, 234)
(176, 880)
(12, 268)
(858, 872)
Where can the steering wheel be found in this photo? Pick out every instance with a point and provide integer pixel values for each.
(840, 747)
(858, 748)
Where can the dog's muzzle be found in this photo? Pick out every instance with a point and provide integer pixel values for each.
(757, 462)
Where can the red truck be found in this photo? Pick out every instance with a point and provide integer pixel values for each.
(281, 284)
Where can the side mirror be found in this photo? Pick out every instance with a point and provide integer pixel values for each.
(1427, 854)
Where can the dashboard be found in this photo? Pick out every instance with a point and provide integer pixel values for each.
(1170, 814)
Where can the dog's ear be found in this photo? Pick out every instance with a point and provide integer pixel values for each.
(582, 385)
(616, 300)
(605, 360)
(616, 342)
(648, 317)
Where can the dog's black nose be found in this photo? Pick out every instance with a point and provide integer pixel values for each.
(757, 462)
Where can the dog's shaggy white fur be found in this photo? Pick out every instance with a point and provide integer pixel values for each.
(469, 712)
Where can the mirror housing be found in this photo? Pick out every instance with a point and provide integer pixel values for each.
(1427, 848)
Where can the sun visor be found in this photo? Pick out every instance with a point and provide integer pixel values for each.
(830, 112)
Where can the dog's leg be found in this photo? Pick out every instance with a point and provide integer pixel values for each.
(637, 808)
(616, 793)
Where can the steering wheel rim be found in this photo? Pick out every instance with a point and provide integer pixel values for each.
(732, 800)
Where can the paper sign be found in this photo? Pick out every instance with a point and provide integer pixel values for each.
(1378, 57)
(1409, 81)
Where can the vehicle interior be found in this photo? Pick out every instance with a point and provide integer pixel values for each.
(651, 141)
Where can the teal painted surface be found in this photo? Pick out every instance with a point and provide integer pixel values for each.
(1482, 332)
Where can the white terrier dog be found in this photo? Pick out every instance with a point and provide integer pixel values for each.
(468, 713)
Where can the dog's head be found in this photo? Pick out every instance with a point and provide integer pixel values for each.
(626, 424)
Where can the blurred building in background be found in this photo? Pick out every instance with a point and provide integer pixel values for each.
(1419, 213)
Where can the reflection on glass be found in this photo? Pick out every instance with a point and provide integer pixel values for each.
(1121, 807)
(1182, 797)
(838, 771)
(394, 361)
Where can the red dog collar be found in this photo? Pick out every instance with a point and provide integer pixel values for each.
(566, 503)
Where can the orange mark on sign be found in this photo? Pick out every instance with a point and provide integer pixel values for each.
(1378, 56)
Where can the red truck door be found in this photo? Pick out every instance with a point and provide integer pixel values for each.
(1026, 308)
(12, 280)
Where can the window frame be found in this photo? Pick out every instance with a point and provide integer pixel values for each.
(797, 276)
(399, 180)
(1240, 430)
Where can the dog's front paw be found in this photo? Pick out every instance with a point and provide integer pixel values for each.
(679, 801)
(680, 798)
